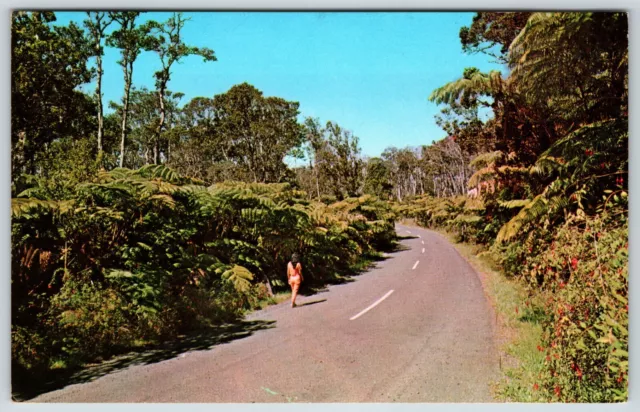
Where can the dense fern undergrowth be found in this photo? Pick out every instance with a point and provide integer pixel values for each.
(144, 255)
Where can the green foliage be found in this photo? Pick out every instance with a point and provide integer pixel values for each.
(253, 132)
(478, 84)
(377, 182)
(584, 275)
(148, 253)
(47, 64)
(490, 30)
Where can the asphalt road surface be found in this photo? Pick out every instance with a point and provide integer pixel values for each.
(417, 328)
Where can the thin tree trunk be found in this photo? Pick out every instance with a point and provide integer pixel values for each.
(317, 182)
(125, 111)
(267, 282)
(99, 93)
(156, 145)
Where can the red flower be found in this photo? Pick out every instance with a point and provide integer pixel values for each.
(548, 358)
(557, 391)
(574, 263)
(540, 348)
(535, 387)
(588, 152)
(516, 309)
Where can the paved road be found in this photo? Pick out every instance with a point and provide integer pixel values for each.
(429, 338)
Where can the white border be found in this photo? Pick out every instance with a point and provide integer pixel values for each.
(630, 5)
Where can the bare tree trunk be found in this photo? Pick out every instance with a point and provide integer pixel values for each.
(123, 134)
(156, 145)
(317, 182)
(99, 93)
(125, 111)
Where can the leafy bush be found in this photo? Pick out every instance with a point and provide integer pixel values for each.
(146, 254)
(584, 275)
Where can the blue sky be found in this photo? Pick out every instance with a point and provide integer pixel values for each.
(369, 72)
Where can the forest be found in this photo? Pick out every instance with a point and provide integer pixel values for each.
(138, 220)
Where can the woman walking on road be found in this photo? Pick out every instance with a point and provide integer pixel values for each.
(294, 275)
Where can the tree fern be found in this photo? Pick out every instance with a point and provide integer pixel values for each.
(21, 206)
(239, 276)
(478, 84)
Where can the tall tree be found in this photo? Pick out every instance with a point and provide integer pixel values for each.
(316, 145)
(377, 181)
(48, 64)
(143, 117)
(491, 33)
(405, 171)
(97, 23)
(342, 163)
(197, 148)
(130, 40)
(259, 132)
(166, 40)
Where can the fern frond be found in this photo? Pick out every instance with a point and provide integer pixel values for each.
(487, 159)
(239, 276)
(22, 206)
(514, 204)
(530, 212)
(478, 84)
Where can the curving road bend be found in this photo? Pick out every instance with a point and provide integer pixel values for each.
(417, 328)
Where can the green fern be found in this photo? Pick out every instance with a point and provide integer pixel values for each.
(239, 276)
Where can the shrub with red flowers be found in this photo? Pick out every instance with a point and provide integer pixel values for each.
(584, 276)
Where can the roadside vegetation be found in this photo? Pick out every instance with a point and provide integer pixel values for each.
(138, 220)
(547, 199)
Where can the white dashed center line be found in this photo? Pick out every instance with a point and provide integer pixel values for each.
(422, 250)
(373, 305)
(408, 231)
(423, 242)
(415, 265)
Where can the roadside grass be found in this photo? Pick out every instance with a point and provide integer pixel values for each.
(518, 326)
(276, 299)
